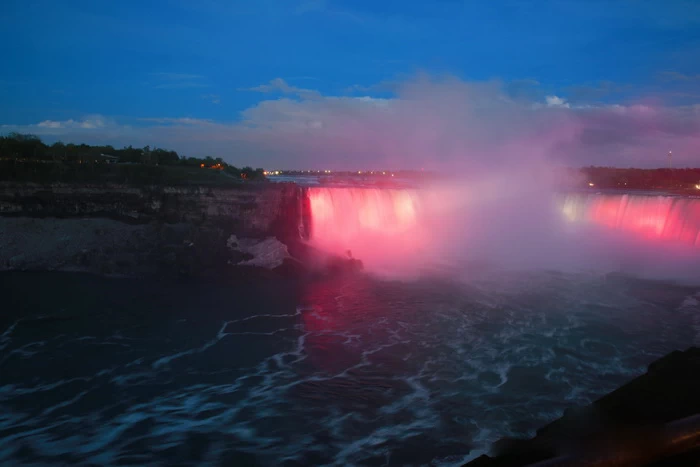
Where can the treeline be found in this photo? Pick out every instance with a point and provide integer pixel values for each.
(26, 157)
(642, 179)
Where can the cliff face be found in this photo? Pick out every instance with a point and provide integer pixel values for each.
(251, 209)
(139, 231)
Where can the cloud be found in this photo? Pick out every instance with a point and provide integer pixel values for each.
(92, 129)
(278, 85)
(383, 86)
(554, 101)
(177, 121)
(596, 91)
(433, 122)
(88, 123)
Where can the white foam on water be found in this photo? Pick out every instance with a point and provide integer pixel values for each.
(402, 366)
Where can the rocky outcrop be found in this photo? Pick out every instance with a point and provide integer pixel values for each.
(120, 230)
(255, 209)
(110, 247)
(268, 253)
(629, 425)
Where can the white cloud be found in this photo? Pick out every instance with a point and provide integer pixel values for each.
(554, 101)
(278, 85)
(178, 121)
(89, 123)
(429, 122)
(52, 124)
(374, 101)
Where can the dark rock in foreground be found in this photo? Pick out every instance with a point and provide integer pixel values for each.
(628, 422)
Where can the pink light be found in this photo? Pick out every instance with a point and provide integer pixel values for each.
(651, 217)
(376, 225)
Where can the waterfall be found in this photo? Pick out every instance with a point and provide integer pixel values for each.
(366, 222)
(673, 219)
(398, 231)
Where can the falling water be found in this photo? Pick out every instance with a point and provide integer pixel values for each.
(406, 230)
(368, 223)
(666, 218)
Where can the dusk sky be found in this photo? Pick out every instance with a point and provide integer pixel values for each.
(343, 84)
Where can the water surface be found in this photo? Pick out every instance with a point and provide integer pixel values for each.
(341, 371)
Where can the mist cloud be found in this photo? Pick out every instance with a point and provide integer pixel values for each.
(432, 122)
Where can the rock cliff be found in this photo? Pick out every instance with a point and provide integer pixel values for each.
(121, 230)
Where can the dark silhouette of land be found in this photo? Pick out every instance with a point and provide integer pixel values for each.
(685, 181)
(25, 158)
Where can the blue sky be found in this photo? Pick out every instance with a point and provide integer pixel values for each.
(132, 71)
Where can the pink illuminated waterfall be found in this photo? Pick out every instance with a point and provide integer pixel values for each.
(663, 218)
(373, 224)
(400, 231)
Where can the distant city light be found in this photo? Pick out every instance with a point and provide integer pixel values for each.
(383, 173)
(697, 187)
(359, 171)
(591, 184)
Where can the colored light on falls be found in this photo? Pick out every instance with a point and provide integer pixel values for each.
(397, 231)
(666, 218)
(374, 224)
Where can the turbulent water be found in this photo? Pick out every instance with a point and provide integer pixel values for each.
(343, 371)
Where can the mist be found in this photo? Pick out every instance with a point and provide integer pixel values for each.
(503, 204)
(500, 222)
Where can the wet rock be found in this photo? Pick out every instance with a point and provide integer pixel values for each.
(268, 253)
